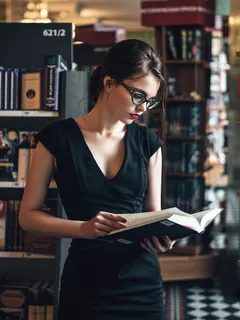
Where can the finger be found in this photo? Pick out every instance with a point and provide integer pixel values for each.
(168, 242)
(103, 227)
(158, 246)
(107, 222)
(101, 233)
(145, 247)
(112, 216)
(148, 243)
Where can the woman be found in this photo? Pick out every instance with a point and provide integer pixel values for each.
(105, 164)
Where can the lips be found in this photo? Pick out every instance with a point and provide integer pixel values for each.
(134, 116)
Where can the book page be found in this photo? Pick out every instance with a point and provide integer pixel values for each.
(134, 219)
(187, 222)
(207, 216)
(210, 216)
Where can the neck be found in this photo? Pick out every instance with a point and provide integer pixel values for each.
(100, 119)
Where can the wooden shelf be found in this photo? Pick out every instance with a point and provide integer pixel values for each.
(185, 62)
(16, 185)
(190, 138)
(186, 250)
(24, 255)
(28, 113)
(178, 267)
(185, 175)
(187, 100)
(14, 191)
(27, 123)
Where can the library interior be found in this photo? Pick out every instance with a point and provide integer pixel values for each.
(50, 50)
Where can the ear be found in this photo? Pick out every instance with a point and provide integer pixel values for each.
(108, 82)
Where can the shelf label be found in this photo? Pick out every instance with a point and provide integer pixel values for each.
(54, 32)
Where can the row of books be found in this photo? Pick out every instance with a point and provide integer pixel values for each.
(26, 300)
(184, 43)
(184, 119)
(184, 157)
(13, 238)
(186, 194)
(28, 89)
(16, 152)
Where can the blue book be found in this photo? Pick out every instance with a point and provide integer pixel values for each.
(2, 88)
(6, 105)
(13, 88)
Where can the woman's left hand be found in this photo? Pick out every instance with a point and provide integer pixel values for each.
(156, 245)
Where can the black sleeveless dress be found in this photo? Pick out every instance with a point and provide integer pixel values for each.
(104, 281)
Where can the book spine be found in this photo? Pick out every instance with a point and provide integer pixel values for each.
(11, 89)
(53, 66)
(2, 89)
(3, 218)
(239, 92)
(6, 89)
(184, 44)
(15, 89)
(23, 164)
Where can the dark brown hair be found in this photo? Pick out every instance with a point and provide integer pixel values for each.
(124, 60)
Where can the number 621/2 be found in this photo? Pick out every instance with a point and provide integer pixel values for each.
(54, 32)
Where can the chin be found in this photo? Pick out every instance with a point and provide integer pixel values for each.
(127, 121)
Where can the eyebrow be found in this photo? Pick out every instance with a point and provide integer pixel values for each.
(143, 92)
(139, 90)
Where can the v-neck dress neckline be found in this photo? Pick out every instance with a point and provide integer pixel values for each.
(93, 158)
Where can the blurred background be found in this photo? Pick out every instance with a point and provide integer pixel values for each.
(199, 45)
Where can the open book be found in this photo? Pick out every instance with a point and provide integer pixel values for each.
(174, 223)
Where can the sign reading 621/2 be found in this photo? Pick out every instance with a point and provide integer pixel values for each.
(54, 32)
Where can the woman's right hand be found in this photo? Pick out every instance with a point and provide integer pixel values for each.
(102, 224)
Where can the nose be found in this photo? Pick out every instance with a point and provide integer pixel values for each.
(142, 107)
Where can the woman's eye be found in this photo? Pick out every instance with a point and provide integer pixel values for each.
(138, 96)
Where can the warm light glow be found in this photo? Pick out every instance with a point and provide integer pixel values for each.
(63, 14)
(77, 42)
(30, 6)
(73, 30)
(43, 13)
(85, 13)
(42, 20)
(36, 12)
(231, 20)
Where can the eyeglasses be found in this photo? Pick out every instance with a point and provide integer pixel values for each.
(139, 98)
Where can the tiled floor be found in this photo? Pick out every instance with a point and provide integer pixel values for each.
(198, 301)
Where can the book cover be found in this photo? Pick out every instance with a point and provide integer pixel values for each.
(3, 217)
(23, 156)
(8, 154)
(31, 86)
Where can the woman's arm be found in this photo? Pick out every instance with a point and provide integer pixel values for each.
(152, 200)
(153, 203)
(31, 218)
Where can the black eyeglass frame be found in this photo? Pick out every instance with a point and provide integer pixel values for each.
(150, 100)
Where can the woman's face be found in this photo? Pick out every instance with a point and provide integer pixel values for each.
(119, 99)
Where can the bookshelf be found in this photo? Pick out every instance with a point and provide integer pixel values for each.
(28, 113)
(24, 255)
(188, 83)
(23, 265)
